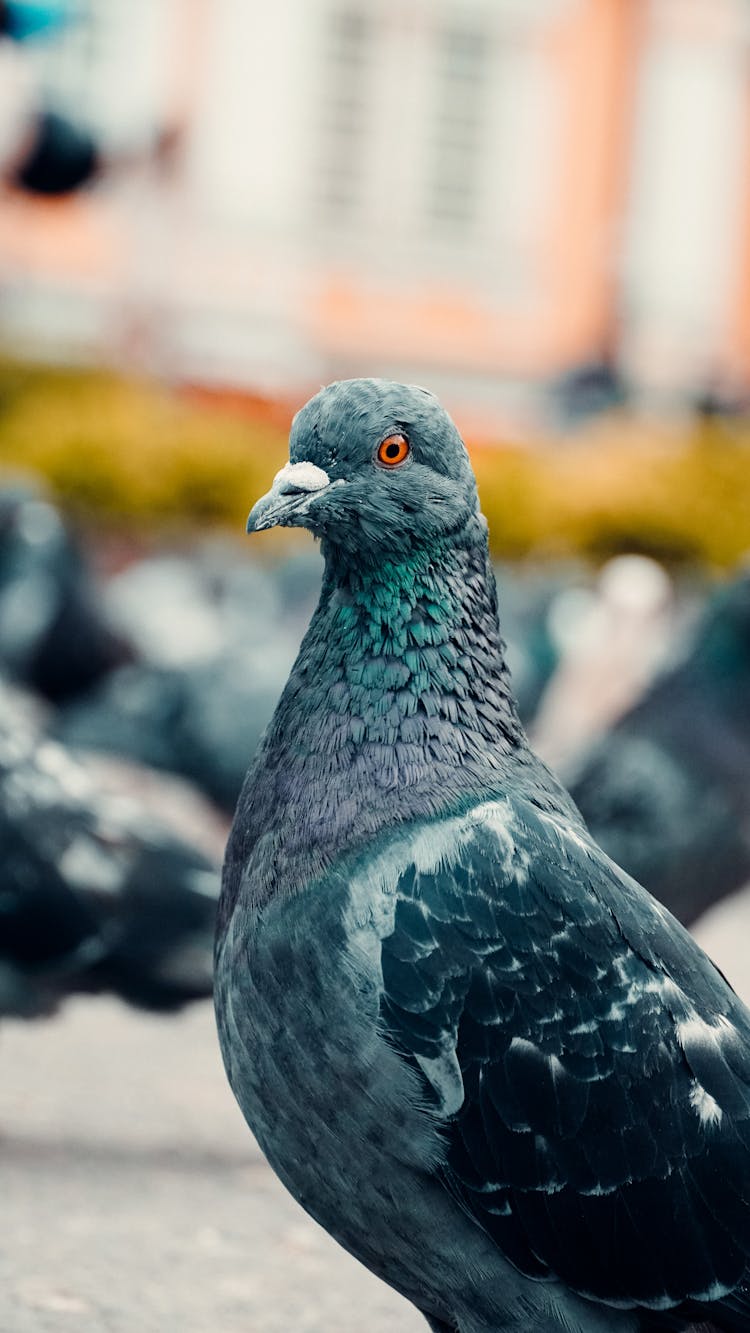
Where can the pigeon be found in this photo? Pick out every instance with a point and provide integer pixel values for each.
(98, 890)
(530, 597)
(613, 642)
(586, 391)
(206, 680)
(667, 790)
(55, 636)
(476, 1052)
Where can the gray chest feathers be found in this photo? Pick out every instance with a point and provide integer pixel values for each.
(341, 1117)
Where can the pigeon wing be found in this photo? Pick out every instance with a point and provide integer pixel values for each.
(590, 1066)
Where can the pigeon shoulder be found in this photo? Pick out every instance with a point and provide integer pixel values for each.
(589, 1065)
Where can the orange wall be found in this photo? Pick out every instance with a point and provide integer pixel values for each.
(591, 55)
(77, 238)
(738, 331)
(598, 49)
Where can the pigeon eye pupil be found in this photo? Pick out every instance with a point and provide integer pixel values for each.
(393, 450)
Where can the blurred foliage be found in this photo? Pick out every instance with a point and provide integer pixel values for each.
(116, 449)
(125, 451)
(679, 494)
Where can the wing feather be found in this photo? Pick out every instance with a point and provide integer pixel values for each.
(591, 1066)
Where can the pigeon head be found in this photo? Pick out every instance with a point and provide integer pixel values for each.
(374, 467)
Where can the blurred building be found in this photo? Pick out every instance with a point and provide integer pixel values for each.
(479, 194)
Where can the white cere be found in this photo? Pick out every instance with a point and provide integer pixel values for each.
(301, 477)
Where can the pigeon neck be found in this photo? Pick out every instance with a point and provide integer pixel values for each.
(398, 708)
(415, 664)
(421, 635)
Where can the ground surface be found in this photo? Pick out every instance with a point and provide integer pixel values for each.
(134, 1200)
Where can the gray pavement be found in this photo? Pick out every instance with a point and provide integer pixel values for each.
(134, 1200)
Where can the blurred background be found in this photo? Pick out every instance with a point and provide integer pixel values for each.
(539, 209)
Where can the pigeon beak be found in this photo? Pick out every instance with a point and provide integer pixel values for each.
(294, 487)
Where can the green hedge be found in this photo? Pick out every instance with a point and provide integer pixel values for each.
(121, 452)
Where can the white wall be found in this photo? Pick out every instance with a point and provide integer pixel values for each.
(246, 164)
(684, 205)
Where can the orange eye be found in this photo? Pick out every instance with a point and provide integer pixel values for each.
(394, 450)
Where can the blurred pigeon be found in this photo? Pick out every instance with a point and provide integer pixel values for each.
(54, 635)
(196, 722)
(163, 606)
(63, 157)
(216, 650)
(41, 150)
(612, 642)
(477, 1052)
(97, 892)
(588, 390)
(667, 791)
(529, 595)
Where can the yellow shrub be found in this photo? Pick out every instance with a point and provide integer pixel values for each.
(121, 451)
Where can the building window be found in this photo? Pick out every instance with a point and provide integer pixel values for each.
(456, 135)
(347, 70)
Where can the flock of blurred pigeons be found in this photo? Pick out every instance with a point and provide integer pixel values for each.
(130, 706)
